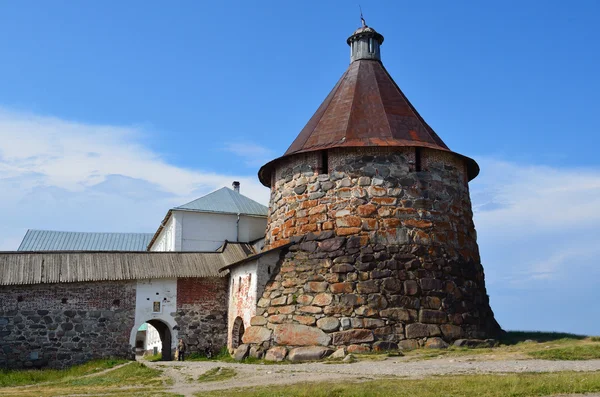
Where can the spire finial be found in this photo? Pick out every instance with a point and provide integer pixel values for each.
(362, 20)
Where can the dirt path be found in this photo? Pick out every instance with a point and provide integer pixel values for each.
(185, 374)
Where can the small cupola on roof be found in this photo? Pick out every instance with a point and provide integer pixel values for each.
(364, 43)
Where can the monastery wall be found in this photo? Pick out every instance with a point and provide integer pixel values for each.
(60, 325)
(201, 314)
(384, 253)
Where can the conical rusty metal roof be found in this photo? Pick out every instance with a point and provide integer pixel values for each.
(365, 108)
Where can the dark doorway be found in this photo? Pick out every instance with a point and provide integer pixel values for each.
(165, 337)
(237, 332)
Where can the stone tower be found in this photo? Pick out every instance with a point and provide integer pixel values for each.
(374, 212)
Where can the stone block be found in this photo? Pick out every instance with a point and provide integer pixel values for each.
(328, 324)
(304, 299)
(339, 353)
(316, 286)
(367, 287)
(276, 353)
(357, 349)
(451, 332)
(282, 300)
(398, 314)
(241, 352)
(342, 268)
(431, 284)
(408, 344)
(322, 299)
(256, 335)
(392, 285)
(382, 346)
(306, 320)
(418, 330)
(353, 336)
(347, 231)
(411, 287)
(342, 288)
(331, 245)
(277, 319)
(377, 301)
(299, 335)
(366, 210)
(309, 353)
(432, 316)
(348, 221)
(436, 343)
(310, 309)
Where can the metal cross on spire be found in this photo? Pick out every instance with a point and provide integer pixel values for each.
(364, 24)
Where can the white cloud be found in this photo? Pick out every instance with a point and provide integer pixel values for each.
(253, 154)
(538, 232)
(61, 174)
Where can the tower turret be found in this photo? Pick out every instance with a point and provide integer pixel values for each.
(374, 211)
(364, 44)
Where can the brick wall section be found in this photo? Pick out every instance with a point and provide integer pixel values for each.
(59, 325)
(202, 312)
(384, 252)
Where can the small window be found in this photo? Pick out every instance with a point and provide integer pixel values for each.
(156, 307)
(418, 159)
(371, 46)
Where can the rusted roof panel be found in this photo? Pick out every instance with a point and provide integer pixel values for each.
(366, 108)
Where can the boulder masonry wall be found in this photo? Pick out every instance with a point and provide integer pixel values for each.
(59, 325)
(383, 254)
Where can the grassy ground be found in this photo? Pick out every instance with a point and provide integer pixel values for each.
(577, 352)
(133, 379)
(217, 374)
(518, 385)
(27, 377)
(521, 344)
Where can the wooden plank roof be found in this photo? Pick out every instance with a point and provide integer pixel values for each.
(46, 267)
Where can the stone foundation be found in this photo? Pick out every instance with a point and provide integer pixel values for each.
(384, 253)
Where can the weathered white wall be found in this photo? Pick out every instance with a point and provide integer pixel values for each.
(252, 228)
(205, 231)
(148, 292)
(246, 285)
(169, 238)
(242, 295)
(202, 231)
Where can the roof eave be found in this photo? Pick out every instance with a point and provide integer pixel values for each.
(264, 173)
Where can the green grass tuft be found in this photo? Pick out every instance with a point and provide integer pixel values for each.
(577, 352)
(513, 385)
(131, 374)
(153, 357)
(217, 374)
(33, 376)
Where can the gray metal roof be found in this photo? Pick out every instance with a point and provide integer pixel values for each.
(21, 268)
(50, 240)
(227, 201)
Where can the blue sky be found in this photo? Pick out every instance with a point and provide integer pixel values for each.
(113, 112)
